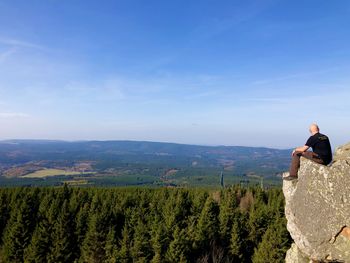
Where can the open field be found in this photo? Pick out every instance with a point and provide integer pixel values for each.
(130, 163)
(76, 182)
(51, 172)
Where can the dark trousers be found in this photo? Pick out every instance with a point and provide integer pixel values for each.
(295, 164)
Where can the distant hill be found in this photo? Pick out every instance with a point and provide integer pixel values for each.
(163, 161)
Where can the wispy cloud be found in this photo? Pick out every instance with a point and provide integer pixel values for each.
(105, 90)
(266, 99)
(13, 115)
(201, 95)
(216, 26)
(293, 76)
(7, 54)
(19, 43)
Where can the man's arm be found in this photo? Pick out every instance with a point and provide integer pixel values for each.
(301, 149)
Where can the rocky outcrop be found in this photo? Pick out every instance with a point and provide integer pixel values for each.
(318, 210)
(296, 256)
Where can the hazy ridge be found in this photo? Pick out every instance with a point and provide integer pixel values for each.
(155, 162)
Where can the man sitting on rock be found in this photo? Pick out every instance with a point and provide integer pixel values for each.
(321, 152)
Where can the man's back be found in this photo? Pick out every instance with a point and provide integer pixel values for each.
(320, 144)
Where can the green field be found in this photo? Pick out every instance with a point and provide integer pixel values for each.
(50, 172)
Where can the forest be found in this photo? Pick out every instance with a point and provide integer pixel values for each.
(131, 224)
(135, 163)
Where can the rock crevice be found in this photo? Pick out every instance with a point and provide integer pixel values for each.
(318, 210)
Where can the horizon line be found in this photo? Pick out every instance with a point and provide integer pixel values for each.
(147, 141)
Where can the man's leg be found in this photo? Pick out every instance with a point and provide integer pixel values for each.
(313, 157)
(295, 164)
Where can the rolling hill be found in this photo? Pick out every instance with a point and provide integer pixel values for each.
(135, 162)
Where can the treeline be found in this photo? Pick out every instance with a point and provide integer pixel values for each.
(66, 224)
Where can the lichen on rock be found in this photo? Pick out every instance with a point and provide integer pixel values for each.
(294, 255)
(318, 209)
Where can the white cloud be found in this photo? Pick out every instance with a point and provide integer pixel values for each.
(105, 90)
(19, 43)
(214, 27)
(7, 54)
(265, 99)
(13, 115)
(293, 76)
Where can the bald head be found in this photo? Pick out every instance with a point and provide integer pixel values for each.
(314, 129)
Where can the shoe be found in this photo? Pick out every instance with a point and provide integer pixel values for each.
(290, 178)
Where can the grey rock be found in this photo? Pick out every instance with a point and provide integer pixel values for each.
(294, 255)
(318, 208)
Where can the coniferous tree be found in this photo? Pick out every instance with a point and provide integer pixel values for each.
(123, 254)
(140, 247)
(182, 207)
(228, 205)
(111, 247)
(208, 225)
(238, 243)
(168, 213)
(259, 219)
(19, 229)
(93, 249)
(179, 247)
(274, 244)
(81, 225)
(158, 241)
(4, 212)
(41, 241)
(62, 249)
(142, 225)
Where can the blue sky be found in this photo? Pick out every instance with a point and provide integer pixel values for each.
(252, 73)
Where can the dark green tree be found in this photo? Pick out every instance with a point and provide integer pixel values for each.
(4, 211)
(81, 226)
(140, 247)
(41, 241)
(123, 254)
(207, 229)
(228, 206)
(274, 244)
(238, 243)
(259, 220)
(179, 247)
(93, 249)
(158, 240)
(63, 245)
(111, 246)
(19, 229)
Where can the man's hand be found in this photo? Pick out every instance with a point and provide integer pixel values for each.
(300, 149)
